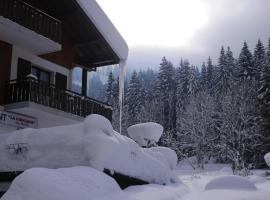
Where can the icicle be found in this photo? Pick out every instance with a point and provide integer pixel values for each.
(122, 67)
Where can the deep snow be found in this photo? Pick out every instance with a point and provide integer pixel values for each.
(87, 183)
(91, 143)
(144, 132)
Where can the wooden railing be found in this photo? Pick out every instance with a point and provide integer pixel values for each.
(48, 95)
(31, 18)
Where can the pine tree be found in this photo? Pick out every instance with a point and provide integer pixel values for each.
(203, 78)
(109, 89)
(210, 73)
(165, 93)
(264, 98)
(230, 61)
(259, 59)
(224, 74)
(134, 99)
(245, 63)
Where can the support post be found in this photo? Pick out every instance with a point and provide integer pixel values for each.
(84, 82)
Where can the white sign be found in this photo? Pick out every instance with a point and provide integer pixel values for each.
(16, 120)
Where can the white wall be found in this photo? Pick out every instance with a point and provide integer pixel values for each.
(18, 52)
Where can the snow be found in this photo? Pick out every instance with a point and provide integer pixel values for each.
(169, 155)
(230, 183)
(32, 76)
(144, 132)
(267, 159)
(87, 183)
(95, 122)
(105, 27)
(82, 183)
(91, 143)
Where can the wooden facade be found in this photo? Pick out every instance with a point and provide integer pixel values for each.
(63, 22)
(65, 57)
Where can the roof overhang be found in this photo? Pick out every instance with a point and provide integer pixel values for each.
(95, 39)
(105, 27)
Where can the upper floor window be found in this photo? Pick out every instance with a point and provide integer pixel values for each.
(41, 74)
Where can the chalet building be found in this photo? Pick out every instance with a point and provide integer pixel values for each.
(41, 42)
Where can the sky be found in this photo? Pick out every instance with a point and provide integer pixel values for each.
(189, 29)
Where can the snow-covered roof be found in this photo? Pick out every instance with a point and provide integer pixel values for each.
(105, 27)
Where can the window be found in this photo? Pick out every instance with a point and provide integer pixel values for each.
(25, 68)
(41, 74)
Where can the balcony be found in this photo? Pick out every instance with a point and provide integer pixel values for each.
(24, 25)
(45, 97)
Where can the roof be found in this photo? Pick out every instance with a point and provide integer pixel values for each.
(95, 39)
(105, 27)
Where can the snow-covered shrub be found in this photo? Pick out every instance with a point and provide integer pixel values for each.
(145, 134)
(267, 159)
(230, 183)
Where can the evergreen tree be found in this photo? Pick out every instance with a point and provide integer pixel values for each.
(230, 61)
(210, 73)
(109, 89)
(245, 63)
(134, 99)
(203, 76)
(259, 58)
(165, 94)
(264, 98)
(224, 75)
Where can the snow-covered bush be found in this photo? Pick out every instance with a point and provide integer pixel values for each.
(267, 159)
(230, 183)
(145, 134)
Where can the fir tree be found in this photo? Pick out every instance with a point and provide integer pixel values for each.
(165, 92)
(259, 58)
(134, 99)
(210, 73)
(245, 63)
(203, 76)
(224, 75)
(109, 89)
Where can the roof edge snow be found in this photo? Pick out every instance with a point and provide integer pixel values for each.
(105, 27)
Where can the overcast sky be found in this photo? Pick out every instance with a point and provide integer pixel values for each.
(192, 29)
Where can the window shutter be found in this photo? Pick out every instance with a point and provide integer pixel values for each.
(60, 81)
(24, 68)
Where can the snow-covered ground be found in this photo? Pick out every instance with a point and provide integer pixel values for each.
(90, 184)
(94, 145)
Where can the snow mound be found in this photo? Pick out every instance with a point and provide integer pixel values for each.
(267, 159)
(92, 143)
(167, 155)
(98, 122)
(82, 183)
(144, 132)
(230, 183)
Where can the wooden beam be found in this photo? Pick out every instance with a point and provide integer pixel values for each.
(84, 82)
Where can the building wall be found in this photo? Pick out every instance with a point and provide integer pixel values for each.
(18, 52)
(65, 57)
(5, 66)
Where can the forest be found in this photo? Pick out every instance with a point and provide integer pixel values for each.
(217, 112)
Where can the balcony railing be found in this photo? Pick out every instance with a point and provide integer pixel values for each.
(46, 94)
(31, 18)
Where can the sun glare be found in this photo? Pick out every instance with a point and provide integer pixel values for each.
(156, 22)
